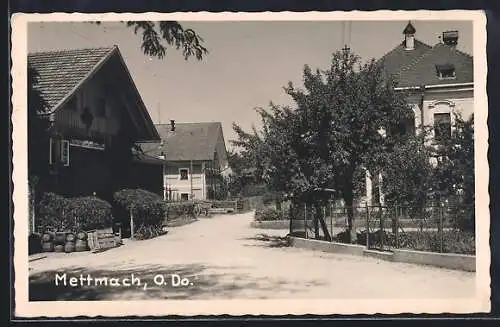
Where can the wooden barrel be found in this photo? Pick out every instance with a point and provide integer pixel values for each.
(60, 238)
(80, 245)
(46, 237)
(70, 237)
(47, 247)
(69, 247)
(81, 236)
(59, 248)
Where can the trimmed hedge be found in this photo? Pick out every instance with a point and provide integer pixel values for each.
(148, 208)
(453, 241)
(73, 214)
(89, 213)
(175, 210)
(267, 214)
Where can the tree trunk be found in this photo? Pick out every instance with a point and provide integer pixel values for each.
(316, 221)
(321, 220)
(349, 199)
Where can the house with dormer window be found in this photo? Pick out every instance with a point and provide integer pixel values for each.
(439, 80)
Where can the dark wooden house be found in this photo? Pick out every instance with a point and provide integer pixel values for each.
(85, 115)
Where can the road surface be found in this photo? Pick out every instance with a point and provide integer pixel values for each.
(223, 258)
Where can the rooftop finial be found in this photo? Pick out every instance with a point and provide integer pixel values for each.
(409, 29)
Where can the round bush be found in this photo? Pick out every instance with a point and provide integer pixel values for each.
(148, 208)
(88, 212)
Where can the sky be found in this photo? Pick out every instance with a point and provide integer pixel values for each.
(248, 64)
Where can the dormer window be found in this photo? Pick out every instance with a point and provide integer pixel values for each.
(445, 71)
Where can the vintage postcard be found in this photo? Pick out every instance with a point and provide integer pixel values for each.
(250, 163)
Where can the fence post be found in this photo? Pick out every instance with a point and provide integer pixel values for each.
(367, 226)
(440, 227)
(396, 223)
(331, 219)
(381, 222)
(235, 206)
(305, 219)
(131, 224)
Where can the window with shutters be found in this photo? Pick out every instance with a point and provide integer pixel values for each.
(65, 153)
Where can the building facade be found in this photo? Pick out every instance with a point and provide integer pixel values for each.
(195, 160)
(440, 82)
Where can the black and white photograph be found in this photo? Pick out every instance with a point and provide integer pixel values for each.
(274, 163)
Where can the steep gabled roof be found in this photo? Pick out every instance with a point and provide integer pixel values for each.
(398, 58)
(60, 72)
(190, 141)
(423, 71)
(417, 67)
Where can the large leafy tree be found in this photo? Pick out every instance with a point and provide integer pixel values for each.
(351, 111)
(334, 131)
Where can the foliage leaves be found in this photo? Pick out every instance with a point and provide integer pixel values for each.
(332, 132)
(74, 214)
(89, 213)
(147, 208)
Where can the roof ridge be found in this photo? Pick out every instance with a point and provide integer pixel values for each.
(109, 48)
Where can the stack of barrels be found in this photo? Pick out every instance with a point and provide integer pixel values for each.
(47, 244)
(64, 242)
(81, 242)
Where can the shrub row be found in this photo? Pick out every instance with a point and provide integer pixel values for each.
(267, 214)
(73, 214)
(147, 208)
(89, 212)
(176, 210)
(452, 241)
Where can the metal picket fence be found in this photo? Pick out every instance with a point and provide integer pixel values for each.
(437, 228)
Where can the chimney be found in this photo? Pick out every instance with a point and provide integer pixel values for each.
(409, 33)
(450, 38)
(172, 125)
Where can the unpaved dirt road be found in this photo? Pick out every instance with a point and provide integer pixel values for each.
(222, 258)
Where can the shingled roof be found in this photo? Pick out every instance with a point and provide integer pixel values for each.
(60, 72)
(399, 57)
(423, 71)
(417, 67)
(190, 141)
(57, 75)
